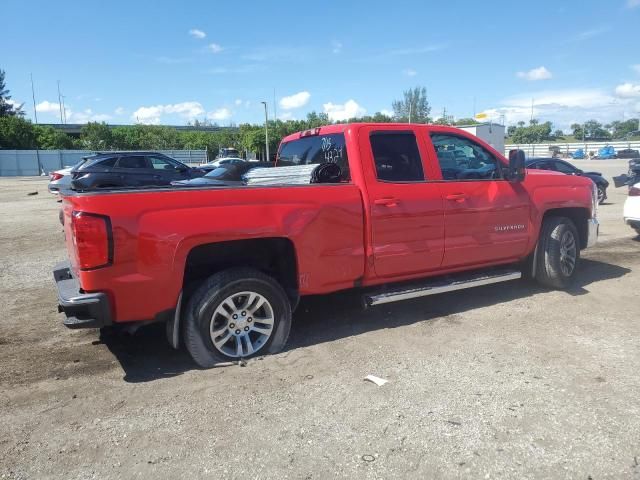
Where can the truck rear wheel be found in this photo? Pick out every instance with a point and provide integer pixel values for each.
(235, 314)
(558, 252)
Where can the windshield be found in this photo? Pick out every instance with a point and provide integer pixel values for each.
(217, 172)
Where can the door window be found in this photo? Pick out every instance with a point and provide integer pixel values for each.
(463, 159)
(396, 156)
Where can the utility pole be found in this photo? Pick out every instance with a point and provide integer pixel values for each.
(410, 107)
(266, 129)
(64, 110)
(60, 101)
(531, 111)
(33, 96)
(275, 111)
(35, 116)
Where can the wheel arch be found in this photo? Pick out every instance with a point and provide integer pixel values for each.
(578, 215)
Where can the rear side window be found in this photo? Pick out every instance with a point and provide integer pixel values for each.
(132, 162)
(108, 163)
(397, 157)
(315, 150)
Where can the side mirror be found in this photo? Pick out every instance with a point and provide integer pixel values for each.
(517, 170)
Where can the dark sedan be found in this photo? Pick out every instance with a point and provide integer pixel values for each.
(227, 174)
(561, 166)
(129, 169)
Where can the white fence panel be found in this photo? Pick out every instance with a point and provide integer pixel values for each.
(25, 162)
(542, 149)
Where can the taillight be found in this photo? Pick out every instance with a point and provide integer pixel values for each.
(634, 192)
(92, 239)
(56, 176)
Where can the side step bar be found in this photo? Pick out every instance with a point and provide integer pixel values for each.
(440, 285)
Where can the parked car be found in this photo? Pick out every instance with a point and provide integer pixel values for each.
(221, 161)
(225, 267)
(129, 169)
(59, 179)
(631, 212)
(628, 153)
(226, 174)
(561, 166)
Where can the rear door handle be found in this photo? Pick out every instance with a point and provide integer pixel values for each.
(387, 202)
(458, 197)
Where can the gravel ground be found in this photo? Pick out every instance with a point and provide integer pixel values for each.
(503, 381)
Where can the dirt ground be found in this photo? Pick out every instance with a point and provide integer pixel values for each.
(503, 381)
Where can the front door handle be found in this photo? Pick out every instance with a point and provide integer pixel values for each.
(457, 197)
(387, 202)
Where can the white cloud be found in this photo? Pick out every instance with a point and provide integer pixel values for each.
(152, 115)
(284, 116)
(238, 102)
(564, 107)
(633, 3)
(628, 90)
(345, 111)
(540, 73)
(416, 50)
(336, 47)
(296, 100)
(86, 115)
(195, 33)
(220, 114)
(636, 67)
(214, 48)
(120, 111)
(410, 72)
(388, 113)
(48, 107)
(588, 34)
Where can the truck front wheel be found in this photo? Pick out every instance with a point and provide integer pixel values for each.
(235, 314)
(558, 252)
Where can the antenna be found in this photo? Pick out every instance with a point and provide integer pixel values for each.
(531, 110)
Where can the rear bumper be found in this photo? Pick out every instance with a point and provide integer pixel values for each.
(592, 232)
(82, 310)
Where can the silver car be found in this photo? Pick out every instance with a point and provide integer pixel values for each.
(60, 179)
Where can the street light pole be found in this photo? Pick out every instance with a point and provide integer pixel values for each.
(266, 129)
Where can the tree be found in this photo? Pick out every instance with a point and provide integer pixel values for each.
(536, 132)
(48, 138)
(466, 121)
(7, 107)
(414, 106)
(624, 129)
(96, 136)
(16, 133)
(558, 134)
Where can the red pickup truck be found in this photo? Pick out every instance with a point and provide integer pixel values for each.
(413, 210)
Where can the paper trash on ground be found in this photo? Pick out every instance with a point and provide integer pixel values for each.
(377, 380)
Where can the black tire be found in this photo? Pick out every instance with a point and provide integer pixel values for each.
(551, 265)
(602, 194)
(199, 314)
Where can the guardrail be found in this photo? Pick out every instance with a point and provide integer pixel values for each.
(36, 162)
(542, 149)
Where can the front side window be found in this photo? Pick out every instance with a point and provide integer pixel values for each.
(563, 167)
(396, 156)
(160, 163)
(463, 159)
(316, 149)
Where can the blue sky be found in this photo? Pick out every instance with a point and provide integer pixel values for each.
(171, 62)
